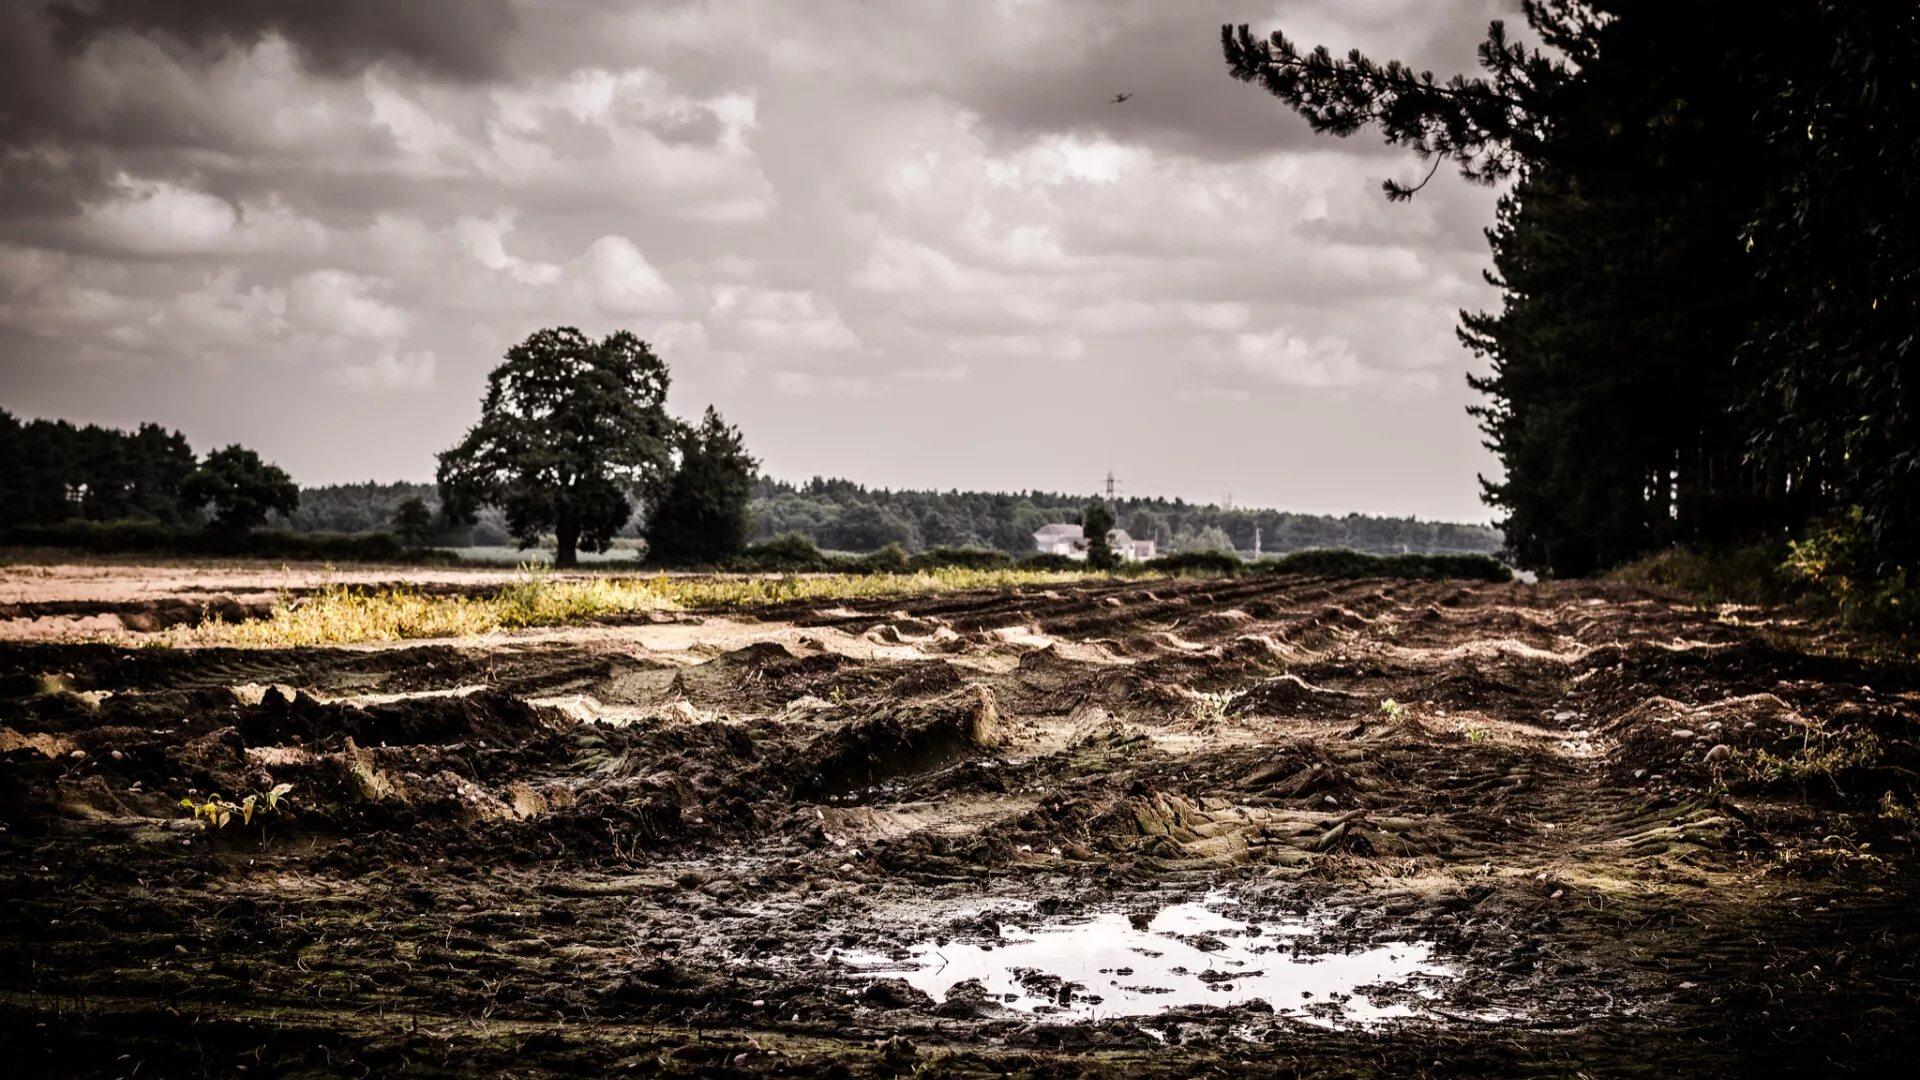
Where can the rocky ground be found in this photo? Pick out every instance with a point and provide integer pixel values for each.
(1596, 831)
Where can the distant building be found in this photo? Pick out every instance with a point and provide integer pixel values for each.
(1071, 541)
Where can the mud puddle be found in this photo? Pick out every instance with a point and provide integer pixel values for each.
(1115, 964)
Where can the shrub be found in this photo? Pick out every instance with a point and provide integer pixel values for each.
(793, 553)
(1833, 562)
(891, 559)
(153, 538)
(1052, 562)
(1750, 575)
(962, 559)
(1339, 563)
(1197, 563)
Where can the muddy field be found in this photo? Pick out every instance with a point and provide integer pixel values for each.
(1139, 829)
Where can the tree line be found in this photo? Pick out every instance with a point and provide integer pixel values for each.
(703, 500)
(846, 516)
(58, 472)
(1708, 266)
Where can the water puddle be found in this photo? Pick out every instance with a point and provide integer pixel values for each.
(1108, 964)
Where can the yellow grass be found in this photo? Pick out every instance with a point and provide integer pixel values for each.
(337, 615)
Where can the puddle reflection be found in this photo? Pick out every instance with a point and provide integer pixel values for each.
(1112, 964)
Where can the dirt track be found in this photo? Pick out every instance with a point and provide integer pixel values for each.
(727, 845)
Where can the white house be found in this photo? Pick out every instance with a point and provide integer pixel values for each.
(1071, 541)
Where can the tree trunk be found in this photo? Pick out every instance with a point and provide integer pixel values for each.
(568, 536)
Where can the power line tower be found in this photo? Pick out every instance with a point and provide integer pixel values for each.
(1112, 485)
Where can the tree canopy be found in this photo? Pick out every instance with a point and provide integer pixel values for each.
(243, 489)
(703, 515)
(571, 431)
(1096, 523)
(55, 471)
(1706, 260)
(413, 521)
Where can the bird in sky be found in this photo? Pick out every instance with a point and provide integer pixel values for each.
(1118, 98)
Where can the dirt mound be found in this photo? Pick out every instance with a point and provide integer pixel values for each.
(485, 717)
(902, 742)
(1291, 695)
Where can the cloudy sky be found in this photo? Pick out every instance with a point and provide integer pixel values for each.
(909, 244)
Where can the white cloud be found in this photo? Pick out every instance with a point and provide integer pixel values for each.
(386, 373)
(781, 320)
(484, 239)
(799, 199)
(159, 218)
(951, 373)
(808, 384)
(623, 281)
(1024, 346)
(334, 303)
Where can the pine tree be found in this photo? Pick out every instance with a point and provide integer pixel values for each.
(1614, 403)
(1096, 522)
(702, 516)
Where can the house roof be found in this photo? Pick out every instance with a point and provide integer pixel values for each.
(1055, 533)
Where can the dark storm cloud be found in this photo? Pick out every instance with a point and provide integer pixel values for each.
(333, 37)
(1185, 107)
(243, 218)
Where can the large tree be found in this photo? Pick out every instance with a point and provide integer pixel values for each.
(571, 431)
(413, 521)
(1835, 246)
(702, 516)
(243, 489)
(1615, 403)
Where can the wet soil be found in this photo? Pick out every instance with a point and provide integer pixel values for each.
(1618, 835)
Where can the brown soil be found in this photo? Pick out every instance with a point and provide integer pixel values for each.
(1649, 841)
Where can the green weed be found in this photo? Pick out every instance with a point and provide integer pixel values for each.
(218, 811)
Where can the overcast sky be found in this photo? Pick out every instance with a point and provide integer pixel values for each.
(908, 244)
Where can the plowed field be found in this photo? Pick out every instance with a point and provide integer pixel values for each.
(1139, 828)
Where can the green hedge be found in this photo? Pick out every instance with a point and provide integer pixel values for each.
(1334, 562)
(1202, 563)
(796, 554)
(153, 538)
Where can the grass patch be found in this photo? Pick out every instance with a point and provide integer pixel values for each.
(339, 615)
(1750, 575)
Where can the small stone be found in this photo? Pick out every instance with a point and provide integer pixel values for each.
(1683, 733)
(1719, 752)
(1639, 774)
(78, 755)
(117, 756)
(1557, 894)
(1563, 716)
(846, 868)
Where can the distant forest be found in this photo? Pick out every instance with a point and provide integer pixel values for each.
(841, 515)
(60, 472)
(56, 471)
